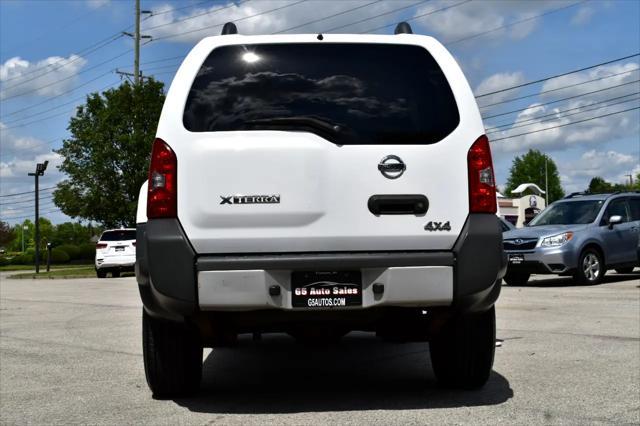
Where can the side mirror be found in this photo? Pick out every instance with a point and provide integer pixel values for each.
(614, 220)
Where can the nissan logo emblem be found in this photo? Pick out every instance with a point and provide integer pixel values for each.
(392, 167)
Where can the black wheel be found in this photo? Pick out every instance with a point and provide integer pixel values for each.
(172, 357)
(624, 270)
(115, 274)
(516, 278)
(462, 353)
(590, 268)
(101, 274)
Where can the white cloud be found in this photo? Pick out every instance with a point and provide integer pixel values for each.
(610, 165)
(475, 17)
(96, 4)
(201, 24)
(497, 82)
(48, 77)
(582, 16)
(587, 133)
(18, 157)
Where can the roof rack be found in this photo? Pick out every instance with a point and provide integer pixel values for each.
(229, 28)
(577, 194)
(403, 28)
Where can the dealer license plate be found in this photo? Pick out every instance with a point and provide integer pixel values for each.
(516, 259)
(330, 289)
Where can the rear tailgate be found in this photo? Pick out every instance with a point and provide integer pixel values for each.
(323, 192)
(294, 190)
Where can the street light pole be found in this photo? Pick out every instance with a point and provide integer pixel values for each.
(40, 168)
(546, 181)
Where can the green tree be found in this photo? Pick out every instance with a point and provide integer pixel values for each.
(599, 186)
(530, 168)
(7, 234)
(106, 158)
(72, 233)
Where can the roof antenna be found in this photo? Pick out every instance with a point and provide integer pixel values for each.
(403, 28)
(229, 28)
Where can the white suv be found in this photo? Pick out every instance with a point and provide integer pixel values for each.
(115, 252)
(317, 184)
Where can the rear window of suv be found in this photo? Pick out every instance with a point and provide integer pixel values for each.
(122, 235)
(356, 93)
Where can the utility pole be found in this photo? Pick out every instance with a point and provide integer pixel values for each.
(40, 168)
(136, 41)
(630, 181)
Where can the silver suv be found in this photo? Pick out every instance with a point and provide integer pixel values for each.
(581, 235)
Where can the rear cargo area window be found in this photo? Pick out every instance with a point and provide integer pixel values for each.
(120, 235)
(348, 93)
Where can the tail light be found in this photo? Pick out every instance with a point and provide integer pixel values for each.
(101, 246)
(482, 184)
(162, 194)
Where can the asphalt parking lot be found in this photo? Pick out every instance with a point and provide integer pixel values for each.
(70, 352)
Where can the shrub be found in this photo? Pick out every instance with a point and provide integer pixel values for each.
(26, 258)
(87, 251)
(59, 256)
(71, 250)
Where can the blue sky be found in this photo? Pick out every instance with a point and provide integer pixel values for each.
(49, 61)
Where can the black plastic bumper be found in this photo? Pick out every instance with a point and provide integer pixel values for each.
(167, 265)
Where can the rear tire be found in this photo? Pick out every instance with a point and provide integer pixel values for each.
(516, 278)
(462, 353)
(101, 274)
(624, 270)
(590, 268)
(172, 357)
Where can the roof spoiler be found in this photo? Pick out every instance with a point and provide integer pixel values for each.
(229, 28)
(403, 28)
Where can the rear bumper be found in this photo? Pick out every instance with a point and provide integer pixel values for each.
(175, 283)
(116, 262)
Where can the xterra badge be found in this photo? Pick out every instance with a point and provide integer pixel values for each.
(438, 226)
(250, 199)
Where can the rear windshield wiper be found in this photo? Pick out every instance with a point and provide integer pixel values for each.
(322, 127)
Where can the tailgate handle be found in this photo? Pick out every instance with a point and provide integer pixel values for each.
(416, 204)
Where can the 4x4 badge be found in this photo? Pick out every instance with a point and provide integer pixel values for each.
(438, 226)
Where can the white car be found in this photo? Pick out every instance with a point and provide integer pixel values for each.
(116, 252)
(316, 184)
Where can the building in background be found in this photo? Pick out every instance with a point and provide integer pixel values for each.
(520, 211)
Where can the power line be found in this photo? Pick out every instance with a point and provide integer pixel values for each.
(375, 16)
(413, 18)
(519, 124)
(566, 124)
(510, 24)
(27, 192)
(237, 20)
(559, 88)
(58, 106)
(327, 17)
(557, 75)
(49, 142)
(196, 16)
(68, 77)
(534, 118)
(30, 215)
(560, 100)
(179, 8)
(31, 200)
(66, 25)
